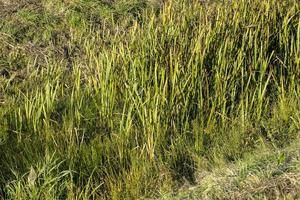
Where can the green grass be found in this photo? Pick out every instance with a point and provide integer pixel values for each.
(137, 99)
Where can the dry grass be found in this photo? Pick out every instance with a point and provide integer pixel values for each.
(257, 177)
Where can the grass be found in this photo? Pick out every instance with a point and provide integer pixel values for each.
(270, 174)
(140, 99)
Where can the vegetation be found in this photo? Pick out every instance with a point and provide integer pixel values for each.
(149, 99)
